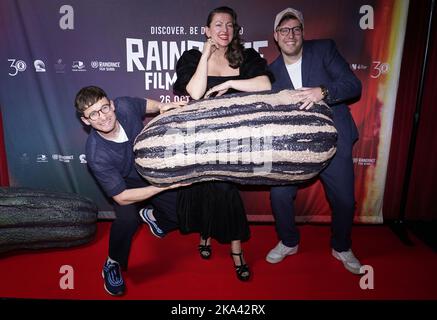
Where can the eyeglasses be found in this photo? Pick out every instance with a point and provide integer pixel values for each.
(96, 114)
(297, 31)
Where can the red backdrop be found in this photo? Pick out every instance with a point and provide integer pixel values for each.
(420, 203)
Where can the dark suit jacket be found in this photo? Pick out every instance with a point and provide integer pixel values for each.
(322, 64)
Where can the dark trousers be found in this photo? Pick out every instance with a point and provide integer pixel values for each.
(338, 182)
(127, 221)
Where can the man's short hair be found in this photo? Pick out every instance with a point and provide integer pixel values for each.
(88, 96)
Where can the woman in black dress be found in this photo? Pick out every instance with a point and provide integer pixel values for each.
(215, 209)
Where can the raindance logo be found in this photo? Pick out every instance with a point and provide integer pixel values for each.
(105, 65)
(62, 158)
(364, 161)
(39, 66)
(78, 66)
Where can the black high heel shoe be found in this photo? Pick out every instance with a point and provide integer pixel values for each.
(243, 273)
(205, 250)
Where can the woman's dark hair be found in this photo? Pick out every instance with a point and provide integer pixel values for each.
(234, 54)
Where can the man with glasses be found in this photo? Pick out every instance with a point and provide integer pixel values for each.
(109, 153)
(317, 69)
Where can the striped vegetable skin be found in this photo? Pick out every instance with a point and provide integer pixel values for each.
(262, 139)
(38, 219)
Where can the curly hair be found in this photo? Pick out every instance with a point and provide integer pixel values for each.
(234, 54)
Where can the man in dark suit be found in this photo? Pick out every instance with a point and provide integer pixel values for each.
(317, 69)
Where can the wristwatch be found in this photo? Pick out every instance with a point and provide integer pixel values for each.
(325, 92)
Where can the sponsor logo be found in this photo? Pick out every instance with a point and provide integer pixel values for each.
(42, 158)
(62, 158)
(59, 66)
(39, 66)
(358, 66)
(78, 66)
(16, 66)
(82, 158)
(379, 69)
(105, 65)
(365, 161)
(24, 158)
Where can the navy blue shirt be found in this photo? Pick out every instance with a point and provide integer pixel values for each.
(112, 163)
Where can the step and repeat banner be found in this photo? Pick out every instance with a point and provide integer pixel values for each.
(50, 49)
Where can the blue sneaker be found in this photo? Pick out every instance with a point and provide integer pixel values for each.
(157, 232)
(114, 283)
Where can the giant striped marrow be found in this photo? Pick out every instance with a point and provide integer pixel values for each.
(38, 219)
(261, 138)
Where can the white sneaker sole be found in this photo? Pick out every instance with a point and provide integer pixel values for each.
(273, 261)
(347, 267)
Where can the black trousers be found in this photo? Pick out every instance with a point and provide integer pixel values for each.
(128, 220)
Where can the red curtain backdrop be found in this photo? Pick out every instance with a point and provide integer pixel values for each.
(420, 204)
(423, 184)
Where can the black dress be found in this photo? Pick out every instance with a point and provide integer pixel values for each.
(214, 209)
